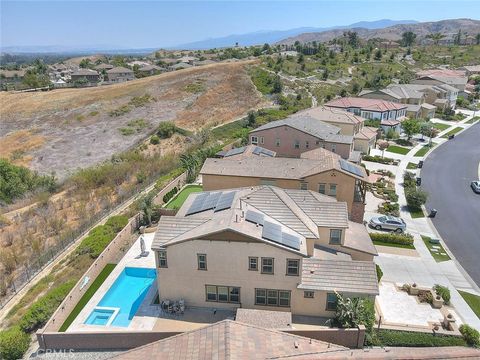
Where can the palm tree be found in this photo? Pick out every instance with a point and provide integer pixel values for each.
(436, 37)
(146, 205)
(189, 163)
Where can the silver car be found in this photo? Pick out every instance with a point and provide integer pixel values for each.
(386, 222)
(475, 186)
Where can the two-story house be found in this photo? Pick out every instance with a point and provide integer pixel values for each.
(417, 107)
(390, 114)
(120, 74)
(299, 133)
(455, 78)
(263, 248)
(85, 75)
(318, 170)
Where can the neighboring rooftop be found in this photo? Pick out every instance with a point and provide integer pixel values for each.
(150, 68)
(330, 115)
(353, 277)
(119, 70)
(442, 73)
(229, 339)
(246, 151)
(84, 72)
(365, 104)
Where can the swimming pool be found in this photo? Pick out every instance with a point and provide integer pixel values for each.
(119, 305)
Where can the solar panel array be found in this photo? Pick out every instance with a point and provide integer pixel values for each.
(262, 151)
(273, 232)
(254, 217)
(353, 169)
(235, 151)
(211, 200)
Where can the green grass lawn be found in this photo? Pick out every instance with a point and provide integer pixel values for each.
(411, 166)
(452, 132)
(180, 198)
(403, 246)
(473, 120)
(386, 337)
(436, 255)
(473, 301)
(87, 296)
(424, 150)
(416, 214)
(398, 149)
(440, 126)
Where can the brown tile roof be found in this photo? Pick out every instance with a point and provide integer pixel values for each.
(84, 72)
(365, 104)
(229, 339)
(330, 115)
(366, 133)
(357, 238)
(353, 277)
(119, 70)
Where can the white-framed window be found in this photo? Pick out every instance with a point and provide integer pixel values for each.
(267, 265)
(331, 302)
(296, 144)
(322, 188)
(334, 148)
(202, 261)
(277, 142)
(222, 293)
(272, 297)
(333, 190)
(253, 263)
(335, 236)
(262, 140)
(254, 140)
(303, 185)
(162, 259)
(293, 267)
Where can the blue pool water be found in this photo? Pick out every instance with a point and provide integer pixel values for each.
(126, 294)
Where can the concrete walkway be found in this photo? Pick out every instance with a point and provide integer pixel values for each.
(424, 270)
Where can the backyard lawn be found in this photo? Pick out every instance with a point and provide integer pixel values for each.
(416, 214)
(452, 132)
(180, 198)
(436, 250)
(473, 301)
(424, 150)
(441, 126)
(412, 166)
(402, 246)
(398, 149)
(473, 120)
(87, 296)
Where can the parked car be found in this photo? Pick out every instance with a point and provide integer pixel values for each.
(476, 186)
(388, 223)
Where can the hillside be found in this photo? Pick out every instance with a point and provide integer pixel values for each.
(392, 32)
(63, 130)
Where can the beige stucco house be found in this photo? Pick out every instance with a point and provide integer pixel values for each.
(318, 170)
(263, 248)
(120, 74)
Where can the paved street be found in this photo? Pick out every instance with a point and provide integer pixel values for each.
(446, 176)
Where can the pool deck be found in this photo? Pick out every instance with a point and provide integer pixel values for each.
(146, 316)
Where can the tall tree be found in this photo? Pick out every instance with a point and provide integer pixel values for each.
(458, 37)
(410, 127)
(435, 37)
(477, 38)
(408, 38)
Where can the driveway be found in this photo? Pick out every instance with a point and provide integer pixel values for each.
(446, 175)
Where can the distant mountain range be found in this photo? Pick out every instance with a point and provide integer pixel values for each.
(254, 38)
(270, 37)
(391, 32)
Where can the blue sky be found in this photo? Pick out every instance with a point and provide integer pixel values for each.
(140, 24)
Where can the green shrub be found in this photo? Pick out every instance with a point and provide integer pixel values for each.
(409, 180)
(166, 129)
(443, 291)
(154, 140)
(416, 339)
(100, 236)
(122, 110)
(169, 195)
(139, 101)
(42, 309)
(13, 343)
(402, 239)
(379, 272)
(425, 297)
(470, 335)
(378, 159)
(415, 198)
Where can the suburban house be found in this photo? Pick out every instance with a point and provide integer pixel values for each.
(455, 78)
(471, 70)
(245, 151)
(364, 137)
(404, 94)
(179, 66)
(11, 77)
(301, 132)
(318, 170)
(150, 70)
(390, 114)
(263, 248)
(85, 75)
(103, 66)
(120, 74)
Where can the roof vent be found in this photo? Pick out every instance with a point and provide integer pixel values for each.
(295, 343)
(312, 271)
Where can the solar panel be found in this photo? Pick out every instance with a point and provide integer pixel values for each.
(268, 152)
(225, 201)
(211, 201)
(257, 150)
(272, 232)
(235, 151)
(291, 241)
(197, 204)
(254, 217)
(345, 165)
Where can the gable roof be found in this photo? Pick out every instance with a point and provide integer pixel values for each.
(227, 340)
(119, 70)
(246, 151)
(353, 277)
(84, 72)
(365, 104)
(330, 115)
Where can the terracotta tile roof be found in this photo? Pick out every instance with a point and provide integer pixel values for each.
(365, 104)
(366, 133)
(229, 339)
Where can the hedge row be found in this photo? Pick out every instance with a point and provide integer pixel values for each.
(100, 236)
(378, 159)
(416, 339)
(169, 195)
(402, 239)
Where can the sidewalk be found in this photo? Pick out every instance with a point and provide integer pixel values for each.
(424, 270)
